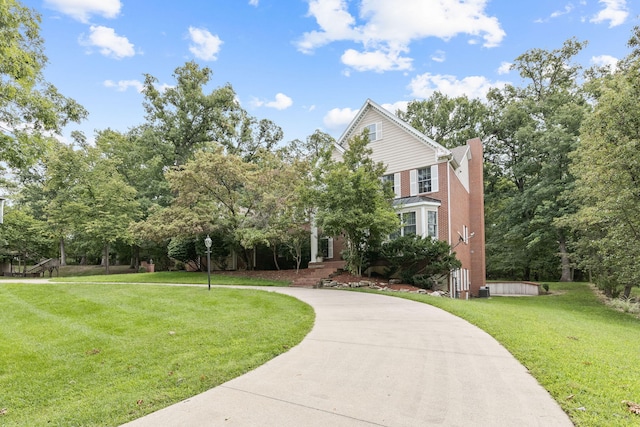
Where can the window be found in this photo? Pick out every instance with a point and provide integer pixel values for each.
(424, 180)
(389, 178)
(375, 131)
(408, 223)
(408, 227)
(432, 224)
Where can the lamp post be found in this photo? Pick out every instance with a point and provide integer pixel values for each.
(207, 243)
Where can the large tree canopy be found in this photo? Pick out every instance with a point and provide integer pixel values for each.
(531, 131)
(607, 167)
(29, 106)
(449, 121)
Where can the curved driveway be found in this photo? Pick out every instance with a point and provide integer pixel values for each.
(374, 360)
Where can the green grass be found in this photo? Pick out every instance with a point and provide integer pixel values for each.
(584, 353)
(178, 277)
(80, 354)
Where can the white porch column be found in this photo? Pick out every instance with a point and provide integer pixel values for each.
(314, 243)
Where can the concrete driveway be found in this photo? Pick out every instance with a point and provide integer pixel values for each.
(374, 360)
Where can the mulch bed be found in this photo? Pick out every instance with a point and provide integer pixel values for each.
(290, 275)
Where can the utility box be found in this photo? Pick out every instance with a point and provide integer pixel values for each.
(484, 292)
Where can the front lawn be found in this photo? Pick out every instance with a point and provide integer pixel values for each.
(584, 353)
(89, 355)
(177, 277)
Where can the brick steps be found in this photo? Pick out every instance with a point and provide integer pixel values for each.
(317, 271)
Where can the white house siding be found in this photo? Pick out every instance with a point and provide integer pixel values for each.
(462, 173)
(397, 149)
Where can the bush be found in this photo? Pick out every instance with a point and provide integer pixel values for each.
(419, 262)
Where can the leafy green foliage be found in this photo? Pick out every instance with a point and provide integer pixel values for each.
(532, 130)
(449, 121)
(353, 202)
(29, 106)
(419, 261)
(606, 165)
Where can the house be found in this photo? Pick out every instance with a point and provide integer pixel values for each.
(439, 191)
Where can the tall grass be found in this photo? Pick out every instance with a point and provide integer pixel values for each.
(586, 354)
(89, 355)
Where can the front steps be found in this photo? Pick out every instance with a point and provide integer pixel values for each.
(312, 277)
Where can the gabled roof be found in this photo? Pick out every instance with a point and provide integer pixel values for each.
(369, 104)
(459, 153)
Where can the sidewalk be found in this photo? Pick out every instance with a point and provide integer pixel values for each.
(374, 360)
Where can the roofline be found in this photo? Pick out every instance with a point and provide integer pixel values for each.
(442, 152)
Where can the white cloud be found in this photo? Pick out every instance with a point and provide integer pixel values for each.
(424, 85)
(378, 61)
(123, 85)
(439, 56)
(334, 20)
(567, 9)
(556, 14)
(504, 68)
(615, 11)
(281, 102)
(399, 105)
(254, 2)
(338, 118)
(388, 28)
(81, 10)
(108, 42)
(605, 61)
(205, 45)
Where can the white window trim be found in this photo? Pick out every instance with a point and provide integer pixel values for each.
(377, 131)
(413, 181)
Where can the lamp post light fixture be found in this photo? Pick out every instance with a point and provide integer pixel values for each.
(207, 243)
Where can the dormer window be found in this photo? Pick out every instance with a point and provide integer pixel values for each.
(375, 131)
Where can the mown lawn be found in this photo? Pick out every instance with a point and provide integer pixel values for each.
(177, 277)
(584, 353)
(89, 355)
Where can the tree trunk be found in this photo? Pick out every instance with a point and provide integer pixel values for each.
(274, 249)
(106, 258)
(135, 258)
(564, 260)
(63, 253)
(627, 290)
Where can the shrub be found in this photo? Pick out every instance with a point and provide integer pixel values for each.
(418, 261)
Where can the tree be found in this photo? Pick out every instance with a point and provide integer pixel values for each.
(30, 107)
(89, 198)
(531, 132)
(214, 192)
(607, 167)
(185, 119)
(22, 234)
(352, 201)
(449, 121)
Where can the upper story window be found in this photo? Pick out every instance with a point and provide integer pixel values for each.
(425, 182)
(389, 178)
(375, 131)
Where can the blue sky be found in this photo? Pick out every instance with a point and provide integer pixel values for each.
(310, 64)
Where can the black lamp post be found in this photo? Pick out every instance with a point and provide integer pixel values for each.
(207, 243)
